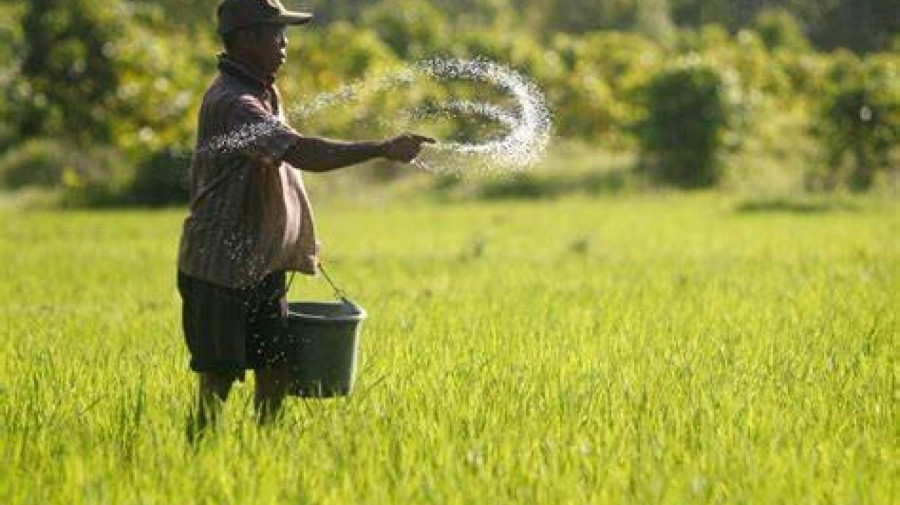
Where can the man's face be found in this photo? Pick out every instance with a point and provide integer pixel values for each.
(267, 47)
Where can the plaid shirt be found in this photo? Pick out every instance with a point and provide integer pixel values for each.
(249, 212)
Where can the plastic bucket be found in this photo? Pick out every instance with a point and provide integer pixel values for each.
(323, 338)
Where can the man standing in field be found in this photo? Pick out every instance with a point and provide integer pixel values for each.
(250, 220)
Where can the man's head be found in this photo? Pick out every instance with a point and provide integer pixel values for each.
(253, 32)
(261, 47)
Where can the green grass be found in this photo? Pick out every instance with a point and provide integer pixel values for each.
(651, 349)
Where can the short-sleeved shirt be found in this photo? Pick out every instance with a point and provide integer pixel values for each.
(249, 212)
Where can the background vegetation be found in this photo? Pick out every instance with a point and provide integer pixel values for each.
(794, 94)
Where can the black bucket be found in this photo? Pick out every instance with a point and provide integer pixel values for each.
(323, 340)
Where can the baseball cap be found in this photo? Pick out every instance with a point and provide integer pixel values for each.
(235, 14)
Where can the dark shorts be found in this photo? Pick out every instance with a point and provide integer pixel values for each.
(232, 330)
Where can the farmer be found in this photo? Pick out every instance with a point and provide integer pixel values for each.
(250, 220)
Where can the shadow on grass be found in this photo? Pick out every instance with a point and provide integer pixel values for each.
(526, 186)
(520, 186)
(794, 206)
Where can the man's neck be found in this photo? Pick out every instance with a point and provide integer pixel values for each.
(248, 65)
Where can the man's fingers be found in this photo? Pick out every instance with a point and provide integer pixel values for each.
(407, 146)
(422, 138)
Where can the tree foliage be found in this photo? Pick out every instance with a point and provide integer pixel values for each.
(860, 120)
(779, 30)
(687, 115)
(126, 76)
(70, 74)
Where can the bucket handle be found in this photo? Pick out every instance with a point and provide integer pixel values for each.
(339, 293)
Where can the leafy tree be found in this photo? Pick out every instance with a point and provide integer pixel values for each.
(686, 117)
(186, 18)
(71, 78)
(10, 80)
(594, 94)
(313, 69)
(410, 27)
(860, 120)
(861, 25)
(778, 29)
(655, 21)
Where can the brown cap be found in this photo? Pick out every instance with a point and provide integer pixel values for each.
(234, 14)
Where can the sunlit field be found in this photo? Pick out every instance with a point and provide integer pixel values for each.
(623, 350)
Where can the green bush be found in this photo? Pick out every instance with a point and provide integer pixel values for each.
(593, 95)
(162, 179)
(410, 27)
(101, 178)
(681, 136)
(859, 121)
(52, 163)
(36, 163)
(86, 177)
(778, 29)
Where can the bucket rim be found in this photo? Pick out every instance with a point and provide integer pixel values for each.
(358, 315)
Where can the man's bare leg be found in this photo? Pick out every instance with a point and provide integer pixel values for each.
(212, 392)
(271, 388)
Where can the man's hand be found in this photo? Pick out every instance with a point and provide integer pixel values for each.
(406, 147)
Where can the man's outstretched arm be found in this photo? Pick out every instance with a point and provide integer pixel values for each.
(322, 155)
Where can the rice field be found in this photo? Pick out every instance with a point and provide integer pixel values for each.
(621, 350)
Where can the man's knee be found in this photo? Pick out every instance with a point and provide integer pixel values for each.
(272, 381)
(215, 384)
(276, 375)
